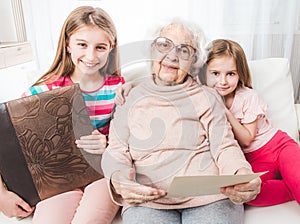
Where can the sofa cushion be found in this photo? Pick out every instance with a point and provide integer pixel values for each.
(272, 80)
(288, 213)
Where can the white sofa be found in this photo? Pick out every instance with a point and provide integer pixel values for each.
(272, 79)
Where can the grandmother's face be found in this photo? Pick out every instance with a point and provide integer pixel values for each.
(173, 55)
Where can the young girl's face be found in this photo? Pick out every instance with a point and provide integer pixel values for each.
(222, 75)
(89, 48)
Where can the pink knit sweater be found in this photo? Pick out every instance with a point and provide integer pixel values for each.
(167, 131)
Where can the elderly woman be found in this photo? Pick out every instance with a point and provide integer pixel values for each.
(172, 126)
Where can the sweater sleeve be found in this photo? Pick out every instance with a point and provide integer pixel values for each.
(117, 155)
(33, 90)
(225, 150)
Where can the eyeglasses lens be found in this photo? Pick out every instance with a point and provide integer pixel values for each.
(165, 45)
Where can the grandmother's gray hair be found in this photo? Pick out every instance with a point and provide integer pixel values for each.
(199, 40)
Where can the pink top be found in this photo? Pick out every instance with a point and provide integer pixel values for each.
(167, 131)
(247, 106)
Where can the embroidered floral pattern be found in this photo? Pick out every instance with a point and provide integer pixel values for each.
(44, 127)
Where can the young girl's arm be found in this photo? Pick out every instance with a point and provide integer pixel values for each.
(12, 205)
(244, 133)
(123, 91)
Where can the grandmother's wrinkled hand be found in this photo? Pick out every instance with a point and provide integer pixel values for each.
(133, 192)
(94, 143)
(245, 192)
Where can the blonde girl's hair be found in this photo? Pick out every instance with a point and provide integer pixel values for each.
(224, 47)
(83, 16)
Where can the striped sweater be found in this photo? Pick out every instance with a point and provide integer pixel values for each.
(100, 102)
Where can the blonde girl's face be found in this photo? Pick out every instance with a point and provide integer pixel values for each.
(169, 67)
(222, 75)
(89, 48)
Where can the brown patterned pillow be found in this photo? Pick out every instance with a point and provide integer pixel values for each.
(38, 155)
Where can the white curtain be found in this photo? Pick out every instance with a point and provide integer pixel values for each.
(268, 28)
(44, 20)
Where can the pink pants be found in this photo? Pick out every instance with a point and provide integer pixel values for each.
(90, 206)
(281, 157)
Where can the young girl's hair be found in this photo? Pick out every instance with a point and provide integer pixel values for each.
(81, 17)
(223, 47)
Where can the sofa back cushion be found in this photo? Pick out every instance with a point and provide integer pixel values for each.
(271, 78)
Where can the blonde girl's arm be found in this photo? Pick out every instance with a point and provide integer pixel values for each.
(244, 133)
(123, 91)
(11, 204)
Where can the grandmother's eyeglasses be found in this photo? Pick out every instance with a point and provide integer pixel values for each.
(165, 45)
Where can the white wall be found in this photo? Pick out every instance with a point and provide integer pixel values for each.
(15, 80)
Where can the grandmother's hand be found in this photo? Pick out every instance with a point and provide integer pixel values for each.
(133, 192)
(245, 192)
(94, 143)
